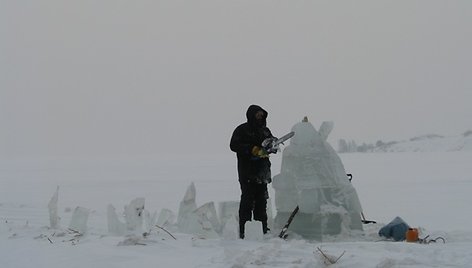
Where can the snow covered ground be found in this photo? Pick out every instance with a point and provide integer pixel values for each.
(431, 191)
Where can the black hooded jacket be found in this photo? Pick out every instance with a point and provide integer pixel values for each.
(245, 137)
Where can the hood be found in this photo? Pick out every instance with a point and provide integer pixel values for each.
(251, 112)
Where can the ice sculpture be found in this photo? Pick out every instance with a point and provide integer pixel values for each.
(313, 178)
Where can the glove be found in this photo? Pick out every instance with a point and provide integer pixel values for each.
(259, 152)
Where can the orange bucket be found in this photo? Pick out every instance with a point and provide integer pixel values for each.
(412, 235)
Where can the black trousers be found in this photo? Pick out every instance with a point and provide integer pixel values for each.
(253, 202)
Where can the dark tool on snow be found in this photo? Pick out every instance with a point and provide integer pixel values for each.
(427, 240)
(271, 145)
(290, 219)
(364, 221)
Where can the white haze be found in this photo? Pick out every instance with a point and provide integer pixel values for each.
(145, 77)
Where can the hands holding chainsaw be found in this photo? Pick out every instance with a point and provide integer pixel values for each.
(267, 148)
(270, 146)
(259, 152)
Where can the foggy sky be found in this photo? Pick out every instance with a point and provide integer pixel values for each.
(144, 77)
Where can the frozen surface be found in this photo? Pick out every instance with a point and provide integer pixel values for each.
(430, 191)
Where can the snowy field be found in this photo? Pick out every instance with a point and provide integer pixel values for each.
(431, 191)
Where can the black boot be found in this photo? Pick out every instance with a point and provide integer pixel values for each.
(265, 229)
(241, 230)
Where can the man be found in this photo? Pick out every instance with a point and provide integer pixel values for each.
(253, 167)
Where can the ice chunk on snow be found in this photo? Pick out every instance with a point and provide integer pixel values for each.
(253, 231)
(200, 221)
(149, 221)
(134, 214)
(187, 208)
(190, 224)
(207, 213)
(115, 226)
(166, 217)
(79, 220)
(231, 228)
(52, 206)
(227, 209)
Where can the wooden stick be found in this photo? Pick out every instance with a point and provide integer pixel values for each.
(166, 231)
(330, 260)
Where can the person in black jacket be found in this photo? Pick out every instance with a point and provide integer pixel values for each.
(253, 167)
